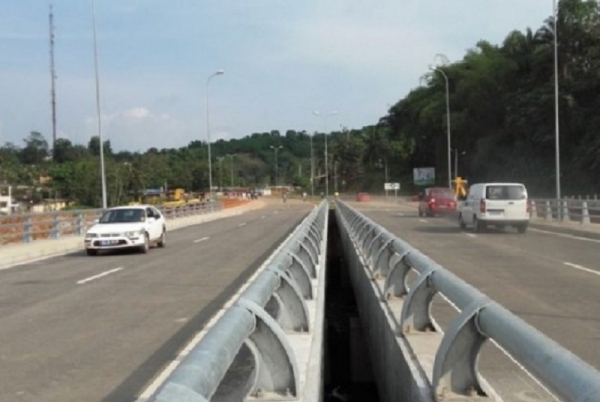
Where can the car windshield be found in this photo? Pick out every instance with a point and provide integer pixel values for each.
(505, 192)
(123, 216)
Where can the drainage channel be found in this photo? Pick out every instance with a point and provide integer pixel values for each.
(348, 373)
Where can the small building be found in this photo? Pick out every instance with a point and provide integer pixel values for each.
(6, 202)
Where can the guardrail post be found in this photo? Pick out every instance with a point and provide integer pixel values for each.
(565, 211)
(533, 210)
(55, 229)
(585, 214)
(548, 211)
(381, 260)
(80, 223)
(455, 366)
(395, 281)
(277, 370)
(27, 233)
(416, 314)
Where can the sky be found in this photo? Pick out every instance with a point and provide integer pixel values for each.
(282, 61)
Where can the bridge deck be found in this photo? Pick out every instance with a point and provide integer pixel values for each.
(548, 279)
(70, 334)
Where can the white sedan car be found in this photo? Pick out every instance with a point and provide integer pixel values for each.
(136, 227)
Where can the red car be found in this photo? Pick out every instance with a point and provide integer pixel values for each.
(437, 200)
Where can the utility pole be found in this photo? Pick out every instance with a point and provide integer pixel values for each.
(53, 79)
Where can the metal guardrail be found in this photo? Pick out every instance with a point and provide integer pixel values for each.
(268, 312)
(25, 228)
(455, 367)
(568, 209)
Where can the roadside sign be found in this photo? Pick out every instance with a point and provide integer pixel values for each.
(424, 176)
(391, 186)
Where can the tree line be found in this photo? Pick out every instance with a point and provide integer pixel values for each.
(501, 99)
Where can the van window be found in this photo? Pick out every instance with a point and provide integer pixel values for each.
(505, 192)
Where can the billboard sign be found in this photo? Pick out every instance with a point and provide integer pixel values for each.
(424, 176)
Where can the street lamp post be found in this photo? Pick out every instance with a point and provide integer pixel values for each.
(276, 166)
(557, 137)
(220, 159)
(447, 122)
(219, 72)
(102, 172)
(231, 157)
(324, 116)
(312, 169)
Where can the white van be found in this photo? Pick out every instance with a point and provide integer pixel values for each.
(497, 204)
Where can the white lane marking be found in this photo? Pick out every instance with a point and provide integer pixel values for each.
(568, 236)
(423, 220)
(400, 214)
(581, 268)
(202, 239)
(91, 278)
(242, 224)
(470, 234)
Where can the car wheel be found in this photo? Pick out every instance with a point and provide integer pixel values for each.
(91, 252)
(522, 228)
(146, 246)
(162, 242)
(461, 223)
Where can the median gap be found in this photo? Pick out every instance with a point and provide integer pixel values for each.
(348, 372)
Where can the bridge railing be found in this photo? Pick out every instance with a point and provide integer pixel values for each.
(25, 228)
(388, 261)
(282, 306)
(569, 210)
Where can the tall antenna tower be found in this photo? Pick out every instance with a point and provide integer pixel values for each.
(53, 76)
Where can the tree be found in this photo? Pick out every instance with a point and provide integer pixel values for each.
(35, 150)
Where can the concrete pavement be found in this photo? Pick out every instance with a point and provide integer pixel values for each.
(547, 277)
(20, 253)
(79, 328)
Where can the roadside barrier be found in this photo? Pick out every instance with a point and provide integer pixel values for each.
(283, 305)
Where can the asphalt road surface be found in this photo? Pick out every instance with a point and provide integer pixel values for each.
(550, 281)
(79, 328)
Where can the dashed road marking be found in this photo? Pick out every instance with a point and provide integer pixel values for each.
(423, 220)
(470, 234)
(242, 224)
(92, 278)
(581, 268)
(202, 239)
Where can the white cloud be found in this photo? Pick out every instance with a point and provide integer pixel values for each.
(283, 60)
(139, 129)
